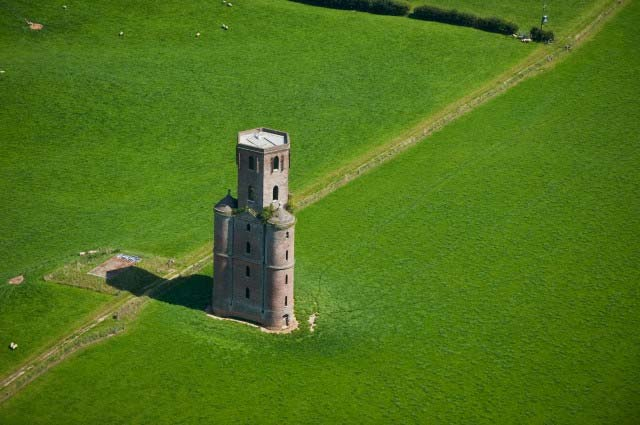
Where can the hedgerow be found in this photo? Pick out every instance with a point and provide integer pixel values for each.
(541, 35)
(454, 17)
(379, 7)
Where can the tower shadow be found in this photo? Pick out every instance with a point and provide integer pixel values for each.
(192, 291)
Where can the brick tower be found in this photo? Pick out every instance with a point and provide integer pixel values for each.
(253, 235)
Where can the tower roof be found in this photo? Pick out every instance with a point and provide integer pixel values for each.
(263, 138)
(227, 204)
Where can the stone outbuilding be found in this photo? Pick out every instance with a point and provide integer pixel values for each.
(254, 235)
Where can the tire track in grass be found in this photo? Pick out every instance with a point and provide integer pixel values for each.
(540, 60)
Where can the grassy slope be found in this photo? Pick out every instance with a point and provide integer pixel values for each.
(526, 13)
(491, 277)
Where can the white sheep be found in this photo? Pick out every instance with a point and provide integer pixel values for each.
(121, 33)
(198, 35)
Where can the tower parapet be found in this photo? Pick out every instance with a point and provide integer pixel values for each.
(253, 248)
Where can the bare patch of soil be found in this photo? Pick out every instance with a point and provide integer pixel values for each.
(111, 267)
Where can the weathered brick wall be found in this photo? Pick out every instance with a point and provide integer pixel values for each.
(255, 284)
(222, 263)
(263, 177)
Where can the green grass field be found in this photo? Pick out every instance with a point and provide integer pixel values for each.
(127, 142)
(487, 275)
(36, 314)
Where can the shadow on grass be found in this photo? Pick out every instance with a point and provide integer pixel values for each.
(192, 291)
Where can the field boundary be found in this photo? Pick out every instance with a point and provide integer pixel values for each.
(541, 59)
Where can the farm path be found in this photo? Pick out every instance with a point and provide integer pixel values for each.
(541, 59)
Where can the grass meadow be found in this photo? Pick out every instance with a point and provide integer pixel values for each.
(487, 275)
(126, 142)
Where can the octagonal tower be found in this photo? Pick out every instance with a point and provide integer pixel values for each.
(254, 235)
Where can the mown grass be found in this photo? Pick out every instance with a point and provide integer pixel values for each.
(487, 275)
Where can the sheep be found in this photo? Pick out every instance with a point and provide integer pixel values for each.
(121, 33)
(13, 345)
(198, 35)
(229, 4)
(526, 40)
(224, 27)
(64, 6)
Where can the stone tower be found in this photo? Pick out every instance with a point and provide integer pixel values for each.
(253, 235)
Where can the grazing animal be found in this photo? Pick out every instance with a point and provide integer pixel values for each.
(121, 33)
(197, 35)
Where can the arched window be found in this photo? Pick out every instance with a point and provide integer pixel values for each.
(246, 293)
(286, 255)
(287, 235)
(248, 248)
(252, 163)
(286, 279)
(285, 301)
(248, 227)
(247, 271)
(275, 193)
(276, 163)
(252, 194)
